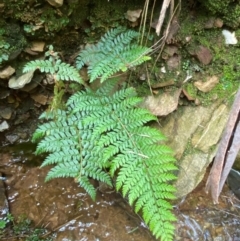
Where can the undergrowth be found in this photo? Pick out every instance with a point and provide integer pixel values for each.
(103, 134)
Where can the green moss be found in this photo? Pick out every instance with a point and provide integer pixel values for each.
(228, 10)
(39, 15)
(52, 21)
(11, 40)
(217, 6)
(105, 14)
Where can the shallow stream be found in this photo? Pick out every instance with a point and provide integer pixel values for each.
(67, 212)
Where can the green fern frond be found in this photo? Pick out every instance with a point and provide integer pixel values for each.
(112, 134)
(86, 184)
(68, 154)
(114, 52)
(61, 70)
(64, 169)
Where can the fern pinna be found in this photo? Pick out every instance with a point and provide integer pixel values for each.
(98, 132)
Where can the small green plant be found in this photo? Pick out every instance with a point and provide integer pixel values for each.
(103, 134)
(21, 228)
(3, 224)
(114, 52)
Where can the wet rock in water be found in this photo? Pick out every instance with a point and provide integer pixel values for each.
(20, 82)
(6, 113)
(208, 85)
(4, 208)
(193, 133)
(4, 126)
(163, 104)
(204, 55)
(7, 72)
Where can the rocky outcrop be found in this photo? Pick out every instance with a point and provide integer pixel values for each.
(193, 133)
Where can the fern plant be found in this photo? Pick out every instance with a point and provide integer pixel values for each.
(52, 64)
(103, 134)
(114, 52)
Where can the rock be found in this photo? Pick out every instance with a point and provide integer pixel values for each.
(189, 97)
(21, 118)
(4, 208)
(218, 23)
(207, 85)
(40, 98)
(163, 104)
(7, 72)
(6, 113)
(209, 134)
(11, 99)
(29, 51)
(173, 62)
(169, 51)
(193, 133)
(210, 23)
(2, 5)
(213, 23)
(38, 46)
(204, 55)
(49, 79)
(12, 138)
(55, 3)
(233, 181)
(33, 84)
(134, 15)
(4, 93)
(4, 126)
(20, 82)
(14, 54)
(172, 31)
(163, 84)
(192, 171)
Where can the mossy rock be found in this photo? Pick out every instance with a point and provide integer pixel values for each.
(12, 41)
(40, 18)
(228, 10)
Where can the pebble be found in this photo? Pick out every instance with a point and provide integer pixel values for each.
(7, 72)
(6, 113)
(4, 126)
(12, 138)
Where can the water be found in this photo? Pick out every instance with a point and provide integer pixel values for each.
(67, 211)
